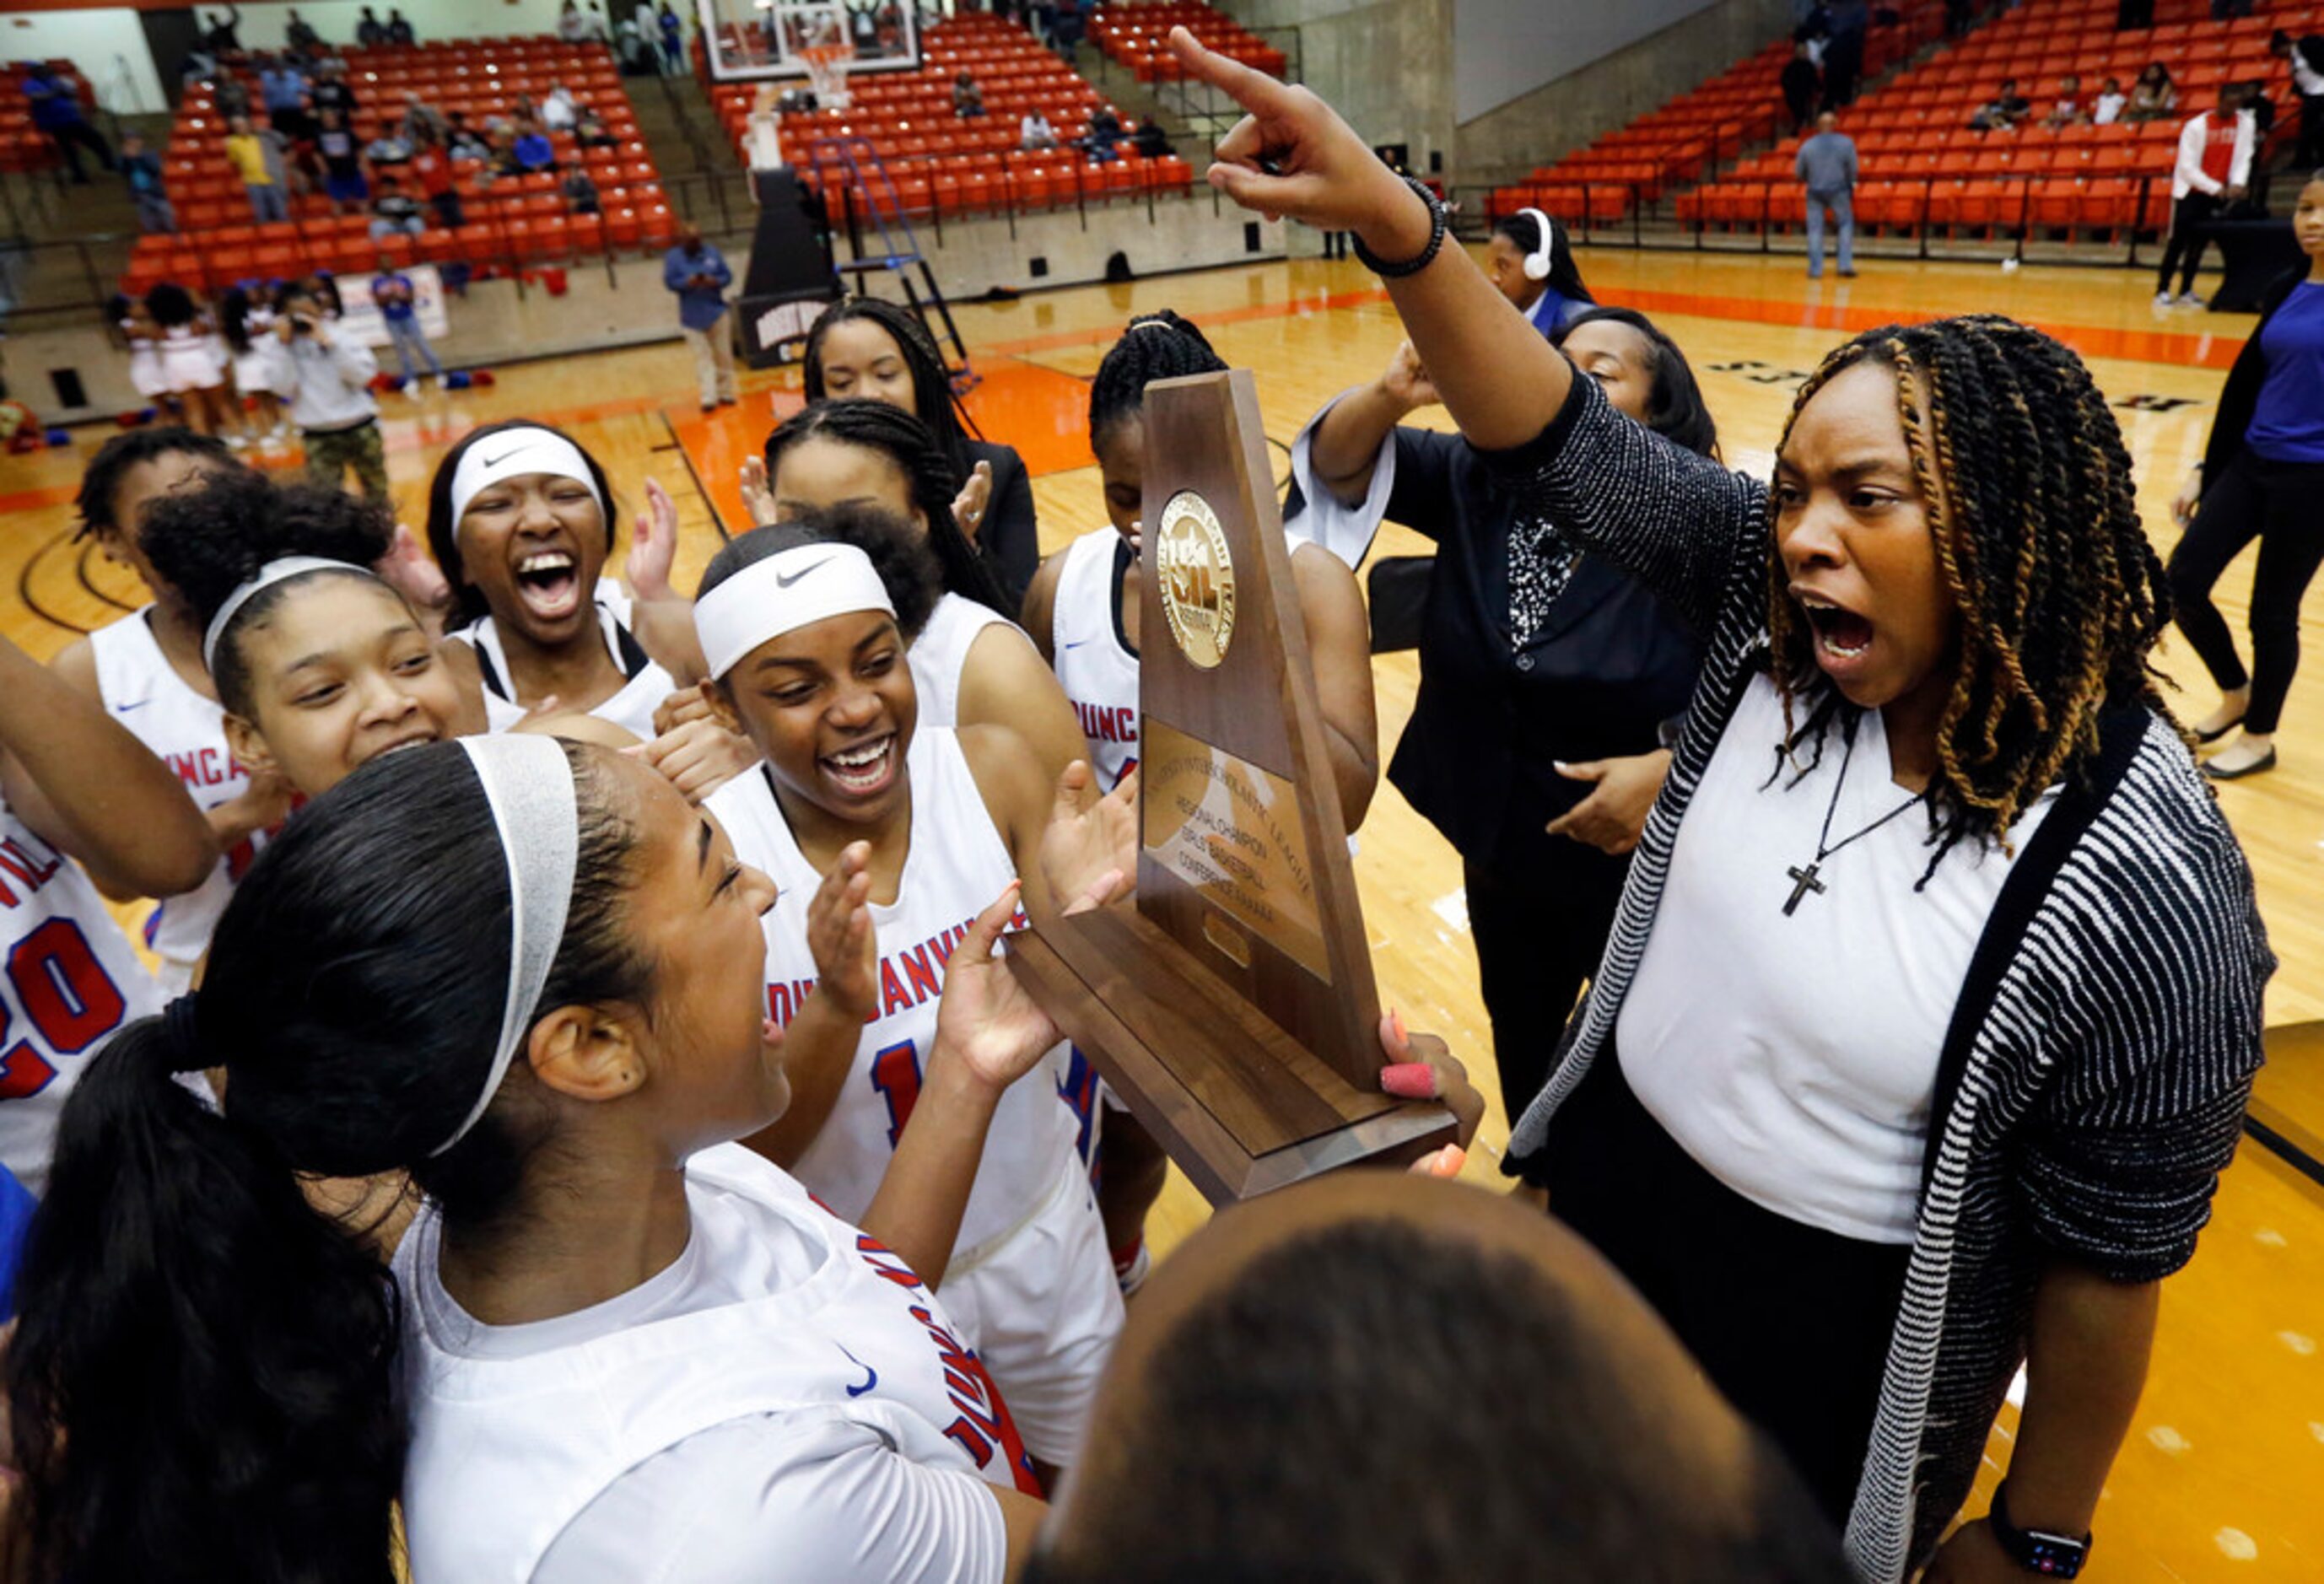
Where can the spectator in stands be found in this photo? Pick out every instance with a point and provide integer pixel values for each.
(54, 98)
(571, 25)
(464, 142)
(560, 111)
(283, 86)
(431, 168)
(1033, 132)
(422, 119)
(299, 33)
(2066, 110)
(1826, 166)
(1843, 56)
(369, 32)
(395, 212)
(390, 150)
(1104, 131)
(967, 99)
(1290, 1367)
(332, 91)
(392, 290)
(229, 95)
(531, 150)
(2154, 95)
(590, 132)
(399, 30)
(698, 276)
(2108, 106)
(2305, 59)
(2259, 478)
(222, 36)
(673, 40)
(1150, 140)
(325, 376)
(1550, 297)
(142, 168)
(1802, 85)
(2214, 167)
(342, 174)
(2003, 111)
(581, 192)
(257, 156)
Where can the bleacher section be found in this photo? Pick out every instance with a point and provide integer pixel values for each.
(1923, 167)
(940, 164)
(1137, 36)
(511, 221)
(1692, 135)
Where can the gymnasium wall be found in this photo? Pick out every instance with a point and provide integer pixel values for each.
(94, 38)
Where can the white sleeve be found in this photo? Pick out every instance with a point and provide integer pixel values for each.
(1347, 531)
(2190, 174)
(767, 1500)
(2246, 135)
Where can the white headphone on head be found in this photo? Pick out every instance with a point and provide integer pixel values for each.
(1537, 262)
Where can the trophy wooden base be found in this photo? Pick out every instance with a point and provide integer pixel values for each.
(1241, 1107)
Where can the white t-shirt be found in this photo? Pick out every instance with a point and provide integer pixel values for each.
(785, 1402)
(1794, 1056)
(2108, 110)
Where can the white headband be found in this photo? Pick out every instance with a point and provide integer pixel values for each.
(266, 578)
(529, 782)
(782, 593)
(512, 453)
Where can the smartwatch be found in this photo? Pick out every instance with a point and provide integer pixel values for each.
(2037, 1550)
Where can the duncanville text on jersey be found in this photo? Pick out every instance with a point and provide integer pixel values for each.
(908, 979)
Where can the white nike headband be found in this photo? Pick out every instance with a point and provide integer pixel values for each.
(511, 454)
(788, 590)
(266, 578)
(529, 783)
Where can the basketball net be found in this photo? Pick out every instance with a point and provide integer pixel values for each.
(826, 72)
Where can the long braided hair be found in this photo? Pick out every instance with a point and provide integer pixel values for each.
(1159, 345)
(2038, 538)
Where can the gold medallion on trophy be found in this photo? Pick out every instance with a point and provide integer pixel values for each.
(1195, 574)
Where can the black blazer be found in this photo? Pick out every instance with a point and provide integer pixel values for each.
(1008, 541)
(2239, 397)
(1610, 664)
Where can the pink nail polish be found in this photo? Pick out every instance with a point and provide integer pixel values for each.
(1409, 1079)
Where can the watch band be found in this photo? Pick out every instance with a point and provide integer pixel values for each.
(2037, 1550)
(1439, 223)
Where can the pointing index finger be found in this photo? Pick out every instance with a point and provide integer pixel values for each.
(1251, 89)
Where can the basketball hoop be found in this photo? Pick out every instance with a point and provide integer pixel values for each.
(826, 72)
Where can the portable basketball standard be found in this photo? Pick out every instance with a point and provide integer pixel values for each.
(1231, 1004)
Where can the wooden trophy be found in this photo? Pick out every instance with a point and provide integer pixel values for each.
(1231, 1003)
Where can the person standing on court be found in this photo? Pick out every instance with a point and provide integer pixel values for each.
(325, 377)
(2260, 478)
(2305, 57)
(697, 274)
(2214, 167)
(1951, 1090)
(1826, 165)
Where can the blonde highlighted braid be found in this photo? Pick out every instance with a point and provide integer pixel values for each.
(2027, 486)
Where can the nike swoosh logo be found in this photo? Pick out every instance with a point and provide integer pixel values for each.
(1076, 643)
(122, 709)
(782, 582)
(503, 456)
(871, 1376)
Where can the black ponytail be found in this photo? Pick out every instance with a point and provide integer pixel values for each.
(200, 1386)
(928, 474)
(1158, 345)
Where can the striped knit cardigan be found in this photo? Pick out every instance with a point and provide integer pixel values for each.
(2094, 1075)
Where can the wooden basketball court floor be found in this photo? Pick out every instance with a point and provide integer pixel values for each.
(2221, 1475)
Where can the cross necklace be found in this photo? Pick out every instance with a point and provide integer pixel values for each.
(1804, 880)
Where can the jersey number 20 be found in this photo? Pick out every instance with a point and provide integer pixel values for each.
(66, 992)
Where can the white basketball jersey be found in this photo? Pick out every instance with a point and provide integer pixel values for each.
(188, 732)
(1097, 670)
(631, 709)
(939, 655)
(778, 1308)
(68, 978)
(957, 866)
